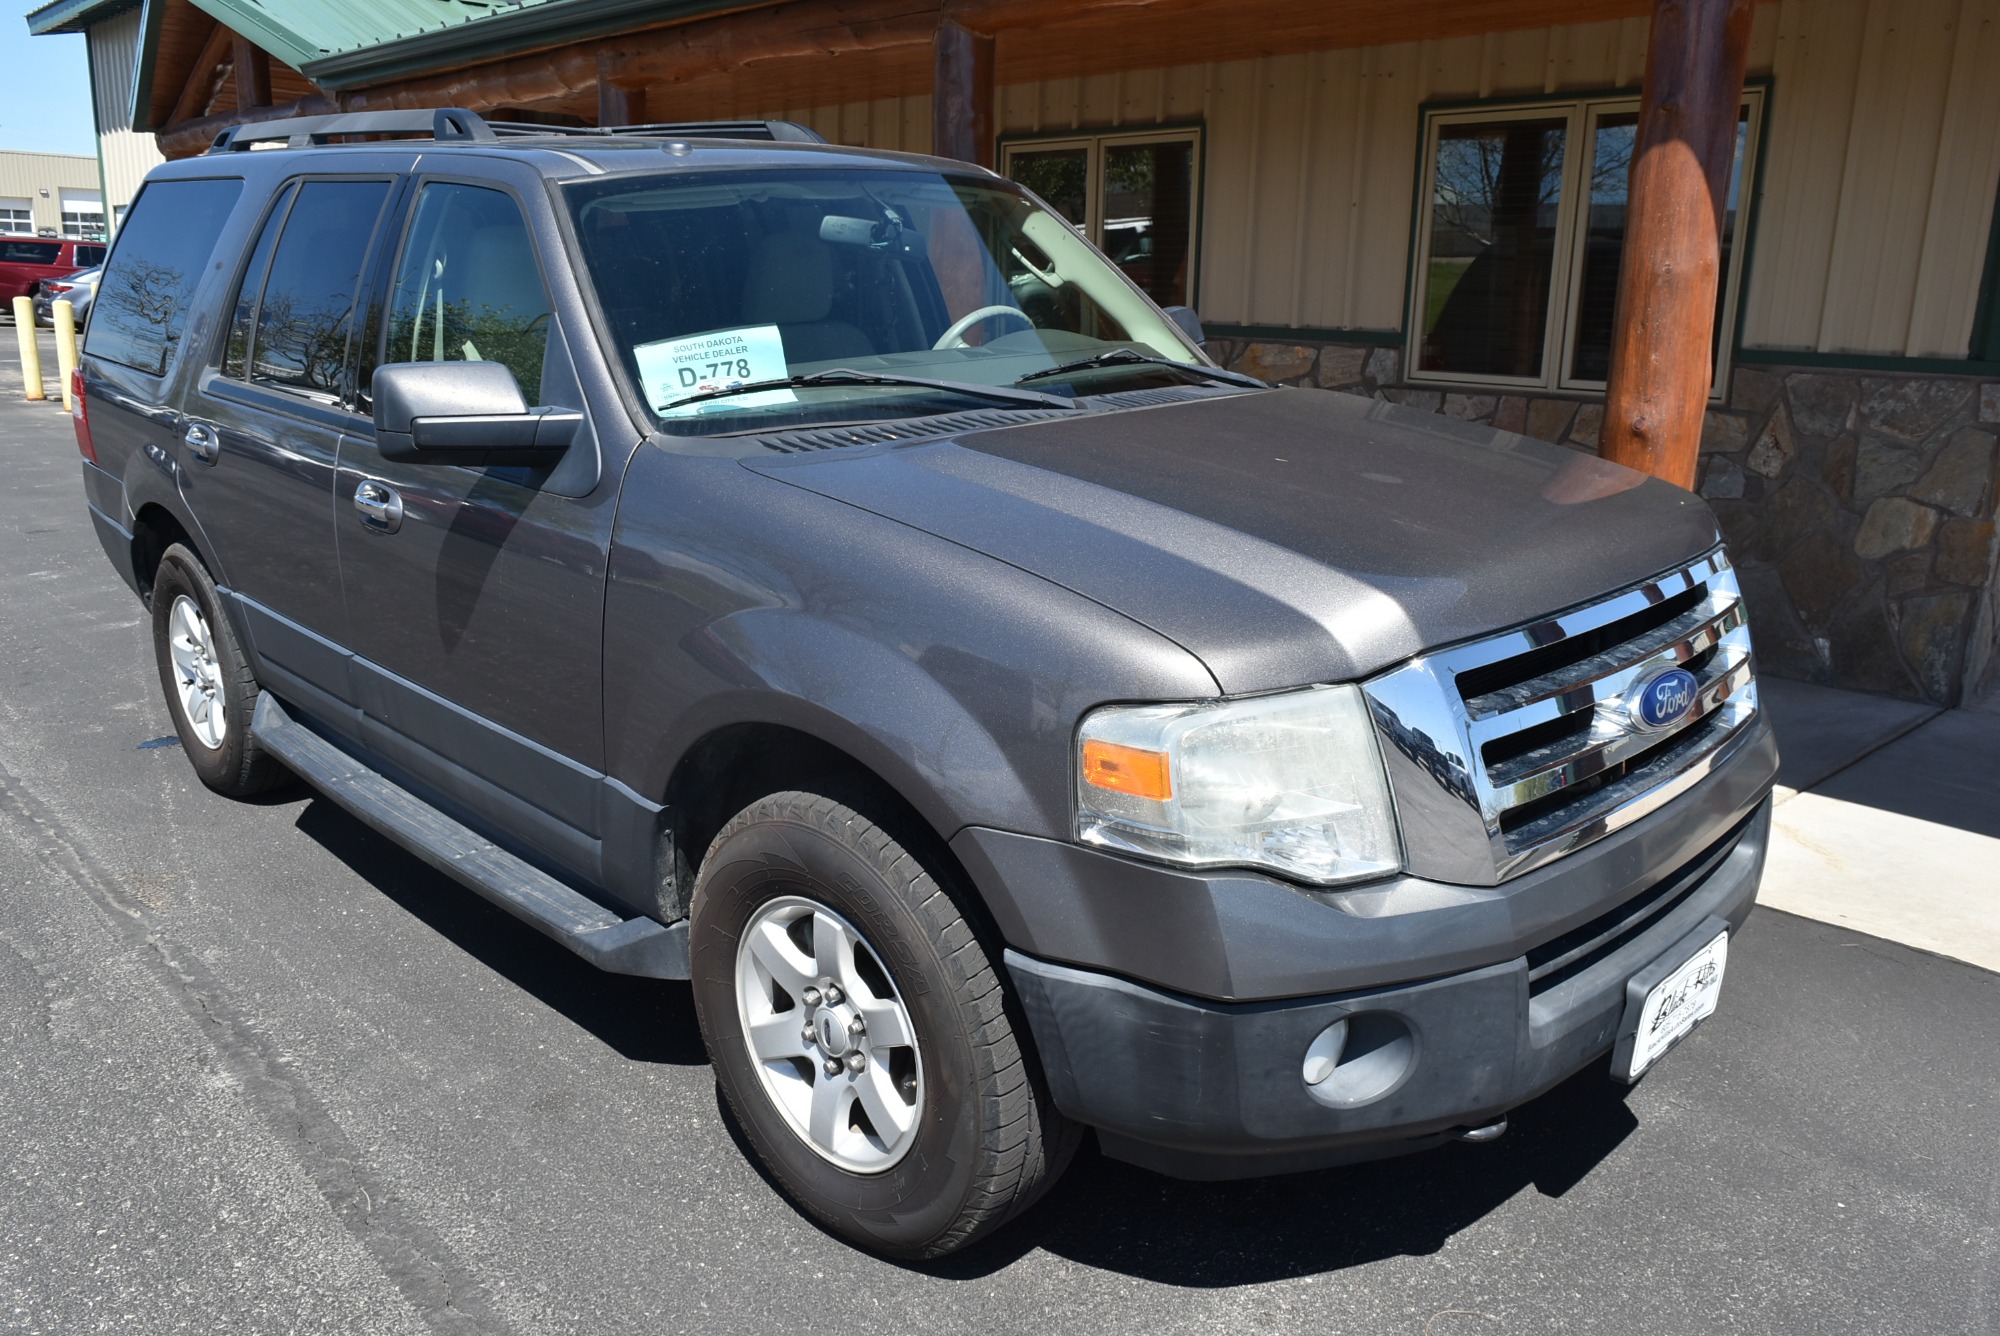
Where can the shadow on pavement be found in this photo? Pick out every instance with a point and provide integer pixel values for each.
(1118, 1218)
(1940, 772)
(1102, 1214)
(645, 1020)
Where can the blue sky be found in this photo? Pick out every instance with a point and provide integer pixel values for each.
(44, 90)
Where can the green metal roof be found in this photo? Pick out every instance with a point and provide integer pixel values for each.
(351, 43)
(461, 32)
(303, 32)
(74, 15)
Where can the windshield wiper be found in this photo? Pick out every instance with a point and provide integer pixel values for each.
(848, 376)
(1133, 357)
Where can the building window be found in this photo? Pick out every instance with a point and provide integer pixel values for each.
(82, 215)
(1135, 194)
(17, 216)
(1521, 237)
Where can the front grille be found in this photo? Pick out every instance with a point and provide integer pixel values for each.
(1537, 729)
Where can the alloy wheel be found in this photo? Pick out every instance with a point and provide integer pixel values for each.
(831, 1039)
(197, 675)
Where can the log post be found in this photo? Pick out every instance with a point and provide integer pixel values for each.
(618, 104)
(962, 95)
(253, 75)
(1662, 338)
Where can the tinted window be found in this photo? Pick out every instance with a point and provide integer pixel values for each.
(30, 252)
(467, 287)
(236, 358)
(89, 255)
(142, 302)
(307, 306)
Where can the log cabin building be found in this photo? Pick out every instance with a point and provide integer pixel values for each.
(1435, 202)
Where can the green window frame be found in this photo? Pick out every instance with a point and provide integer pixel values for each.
(1570, 282)
(1092, 197)
(1985, 345)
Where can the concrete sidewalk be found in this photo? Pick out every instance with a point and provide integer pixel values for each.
(1888, 818)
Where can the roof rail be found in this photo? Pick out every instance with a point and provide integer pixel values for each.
(782, 131)
(455, 125)
(445, 125)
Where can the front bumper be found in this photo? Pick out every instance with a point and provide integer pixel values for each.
(1215, 1090)
(1173, 1012)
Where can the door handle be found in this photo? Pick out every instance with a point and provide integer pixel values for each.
(201, 441)
(381, 509)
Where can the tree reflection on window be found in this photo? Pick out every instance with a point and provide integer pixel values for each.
(1494, 200)
(468, 288)
(307, 306)
(143, 296)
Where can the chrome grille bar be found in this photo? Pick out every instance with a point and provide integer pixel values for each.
(1583, 685)
(1547, 769)
(1541, 758)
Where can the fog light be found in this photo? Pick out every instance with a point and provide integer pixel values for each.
(1324, 1055)
(1359, 1058)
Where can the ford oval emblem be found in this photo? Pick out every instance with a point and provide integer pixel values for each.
(1664, 699)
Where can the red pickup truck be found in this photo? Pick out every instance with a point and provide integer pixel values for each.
(25, 261)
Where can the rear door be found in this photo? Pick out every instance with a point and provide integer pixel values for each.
(477, 617)
(264, 427)
(148, 298)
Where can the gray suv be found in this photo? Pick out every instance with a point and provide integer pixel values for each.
(819, 575)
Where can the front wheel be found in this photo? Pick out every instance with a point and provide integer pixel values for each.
(857, 1026)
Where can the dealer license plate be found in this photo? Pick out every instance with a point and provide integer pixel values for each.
(1672, 1008)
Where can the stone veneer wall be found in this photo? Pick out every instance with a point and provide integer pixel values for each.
(1860, 507)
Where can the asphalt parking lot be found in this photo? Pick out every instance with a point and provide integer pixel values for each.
(261, 1071)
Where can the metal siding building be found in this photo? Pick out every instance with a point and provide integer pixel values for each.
(125, 154)
(41, 180)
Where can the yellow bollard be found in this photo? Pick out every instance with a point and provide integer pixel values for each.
(31, 351)
(65, 314)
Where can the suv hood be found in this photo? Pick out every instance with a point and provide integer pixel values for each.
(1284, 537)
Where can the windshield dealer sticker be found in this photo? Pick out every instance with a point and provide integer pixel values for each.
(675, 369)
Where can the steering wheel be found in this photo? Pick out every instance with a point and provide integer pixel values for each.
(955, 336)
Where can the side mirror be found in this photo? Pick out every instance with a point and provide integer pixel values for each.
(1189, 322)
(465, 413)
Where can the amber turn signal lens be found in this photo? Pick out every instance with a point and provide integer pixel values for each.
(1133, 770)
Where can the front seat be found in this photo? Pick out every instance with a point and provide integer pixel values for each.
(791, 286)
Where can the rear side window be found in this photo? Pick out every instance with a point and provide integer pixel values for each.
(89, 255)
(468, 288)
(143, 298)
(236, 359)
(29, 252)
(306, 309)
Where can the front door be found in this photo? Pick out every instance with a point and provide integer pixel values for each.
(475, 596)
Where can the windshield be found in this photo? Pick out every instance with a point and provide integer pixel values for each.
(718, 279)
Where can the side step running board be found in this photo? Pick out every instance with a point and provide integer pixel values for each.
(620, 945)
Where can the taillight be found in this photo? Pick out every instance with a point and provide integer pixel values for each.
(79, 416)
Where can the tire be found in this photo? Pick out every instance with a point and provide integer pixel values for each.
(983, 1140)
(210, 688)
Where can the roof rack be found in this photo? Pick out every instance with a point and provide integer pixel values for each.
(782, 131)
(455, 125)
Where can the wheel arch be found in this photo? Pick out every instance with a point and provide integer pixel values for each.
(732, 765)
(155, 528)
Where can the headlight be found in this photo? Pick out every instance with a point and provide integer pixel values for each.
(1291, 782)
